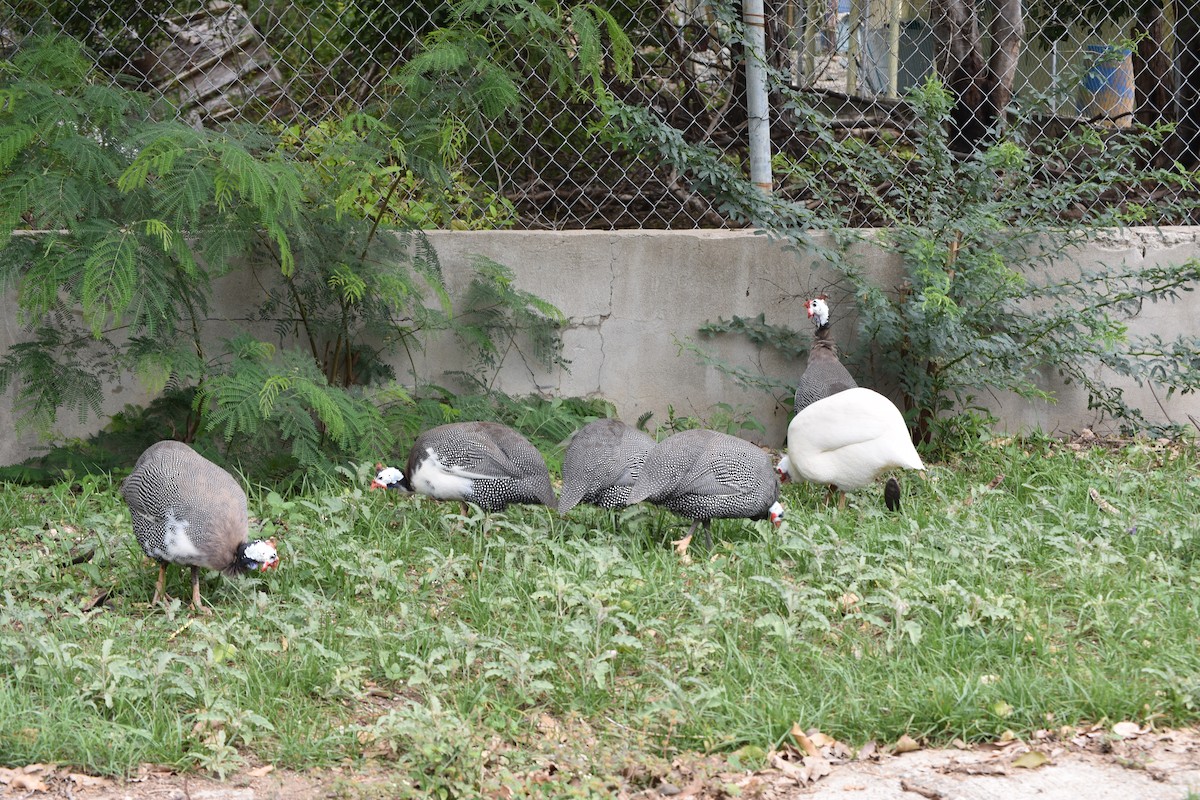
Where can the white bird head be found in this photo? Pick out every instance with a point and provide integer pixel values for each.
(775, 513)
(389, 478)
(261, 554)
(783, 469)
(818, 310)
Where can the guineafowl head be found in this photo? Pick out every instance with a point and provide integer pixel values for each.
(775, 513)
(783, 469)
(818, 310)
(391, 478)
(258, 555)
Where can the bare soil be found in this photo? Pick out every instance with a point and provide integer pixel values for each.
(1099, 763)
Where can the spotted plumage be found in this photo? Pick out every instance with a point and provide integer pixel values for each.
(186, 510)
(706, 475)
(485, 463)
(601, 464)
(824, 375)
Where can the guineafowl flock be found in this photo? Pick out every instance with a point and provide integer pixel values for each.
(186, 510)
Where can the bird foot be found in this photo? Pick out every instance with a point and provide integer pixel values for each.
(197, 605)
(681, 545)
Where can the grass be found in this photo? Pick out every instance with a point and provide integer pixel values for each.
(466, 650)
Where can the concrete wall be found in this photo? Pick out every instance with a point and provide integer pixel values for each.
(632, 296)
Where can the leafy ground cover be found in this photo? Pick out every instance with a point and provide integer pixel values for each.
(1027, 586)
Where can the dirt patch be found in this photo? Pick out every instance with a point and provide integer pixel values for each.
(1097, 764)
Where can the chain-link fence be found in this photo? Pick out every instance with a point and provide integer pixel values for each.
(1109, 64)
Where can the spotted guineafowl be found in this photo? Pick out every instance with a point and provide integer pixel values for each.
(601, 464)
(824, 374)
(706, 475)
(188, 511)
(846, 441)
(484, 463)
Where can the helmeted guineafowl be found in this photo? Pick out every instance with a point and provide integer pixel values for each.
(707, 475)
(824, 375)
(485, 463)
(601, 463)
(847, 440)
(186, 510)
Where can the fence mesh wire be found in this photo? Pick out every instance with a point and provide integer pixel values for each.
(1081, 62)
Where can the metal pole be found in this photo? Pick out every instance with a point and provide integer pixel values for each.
(756, 94)
(893, 62)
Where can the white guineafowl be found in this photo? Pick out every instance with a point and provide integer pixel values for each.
(846, 440)
(707, 475)
(824, 375)
(484, 463)
(186, 510)
(601, 464)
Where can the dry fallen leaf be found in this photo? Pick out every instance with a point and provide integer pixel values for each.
(789, 770)
(264, 770)
(820, 740)
(1127, 729)
(817, 767)
(1031, 760)
(905, 744)
(805, 743)
(868, 750)
(837, 752)
(89, 781)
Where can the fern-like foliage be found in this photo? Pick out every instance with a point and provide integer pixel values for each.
(318, 422)
(499, 319)
(485, 62)
(127, 221)
(53, 371)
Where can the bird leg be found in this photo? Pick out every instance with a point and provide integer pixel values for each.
(708, 533)
(160, 584)
(196, 604)
(841, 500)
(891, 494)
(681, 545)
